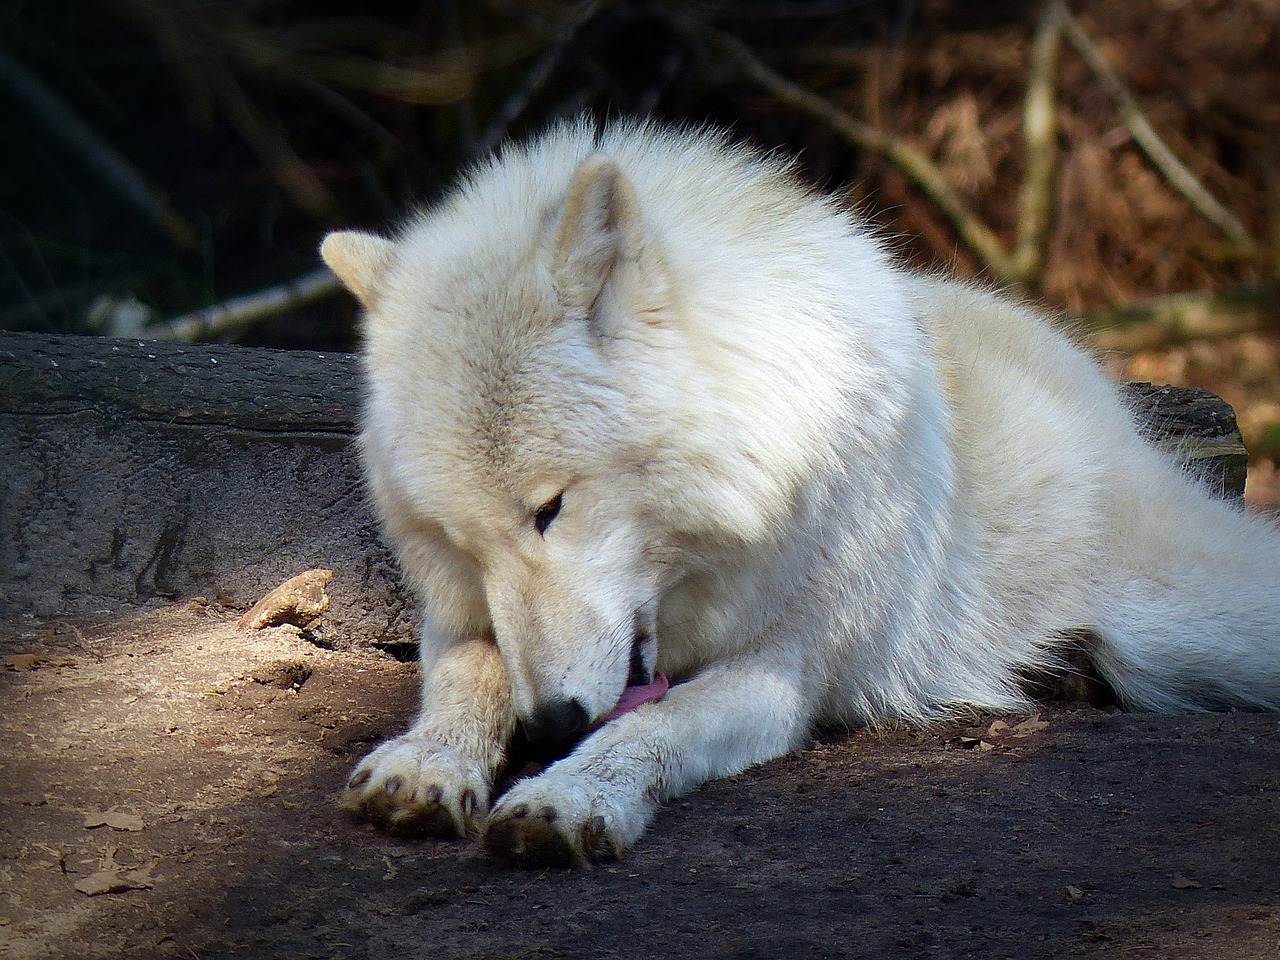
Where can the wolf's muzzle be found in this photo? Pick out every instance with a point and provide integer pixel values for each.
(556, 722)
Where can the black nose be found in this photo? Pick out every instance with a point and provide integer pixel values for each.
(556, 722)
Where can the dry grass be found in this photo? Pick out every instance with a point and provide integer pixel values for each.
(266, 124)
(1206, 74)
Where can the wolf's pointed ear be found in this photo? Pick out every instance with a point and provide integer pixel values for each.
(599, 228)
(359, 260)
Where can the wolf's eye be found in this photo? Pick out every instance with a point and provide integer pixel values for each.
(547, 513)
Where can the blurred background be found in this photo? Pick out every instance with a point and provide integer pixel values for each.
(169, 166)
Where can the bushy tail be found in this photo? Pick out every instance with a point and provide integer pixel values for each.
(1191, 612)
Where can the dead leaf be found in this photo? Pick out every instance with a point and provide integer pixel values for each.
(998, 728)
(113, 878)
(1182, 883)
(21, 662)
(1074, 893)
(1033, 724)
(115, 819)
(104, 881)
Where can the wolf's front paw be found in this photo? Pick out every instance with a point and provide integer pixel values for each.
(560, 820)
(419, 786)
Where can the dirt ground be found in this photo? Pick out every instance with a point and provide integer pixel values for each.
(210, 759)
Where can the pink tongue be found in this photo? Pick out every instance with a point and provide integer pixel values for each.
(633, 697)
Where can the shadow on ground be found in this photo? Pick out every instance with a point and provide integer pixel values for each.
(215, 756)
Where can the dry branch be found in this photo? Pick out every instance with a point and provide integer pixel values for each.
(1144, 134)
(912, 163)
(272, 147)
(1039, 137)
(537, 78)
(226, 33)
(245, 311)
(1181, 317)
(98, 156)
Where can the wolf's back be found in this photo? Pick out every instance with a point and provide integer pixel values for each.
(1085, 524)
(914, 484)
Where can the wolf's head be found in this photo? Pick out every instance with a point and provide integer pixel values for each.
(585, 409)
(508, 354)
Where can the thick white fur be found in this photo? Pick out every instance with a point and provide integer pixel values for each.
(831, 489)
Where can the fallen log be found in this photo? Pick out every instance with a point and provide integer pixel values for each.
(136, 470)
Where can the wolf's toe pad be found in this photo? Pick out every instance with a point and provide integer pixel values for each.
(556, 833)
(417, 786)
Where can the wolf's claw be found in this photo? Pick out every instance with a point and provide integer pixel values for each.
(531, 840)
(530, 827)
(414, 785)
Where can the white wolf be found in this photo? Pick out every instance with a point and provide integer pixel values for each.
(639, 404)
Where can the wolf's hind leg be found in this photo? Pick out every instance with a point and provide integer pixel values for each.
(437, 778)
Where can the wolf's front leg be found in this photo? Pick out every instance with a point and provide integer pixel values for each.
(597, 801)
(438, 778)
